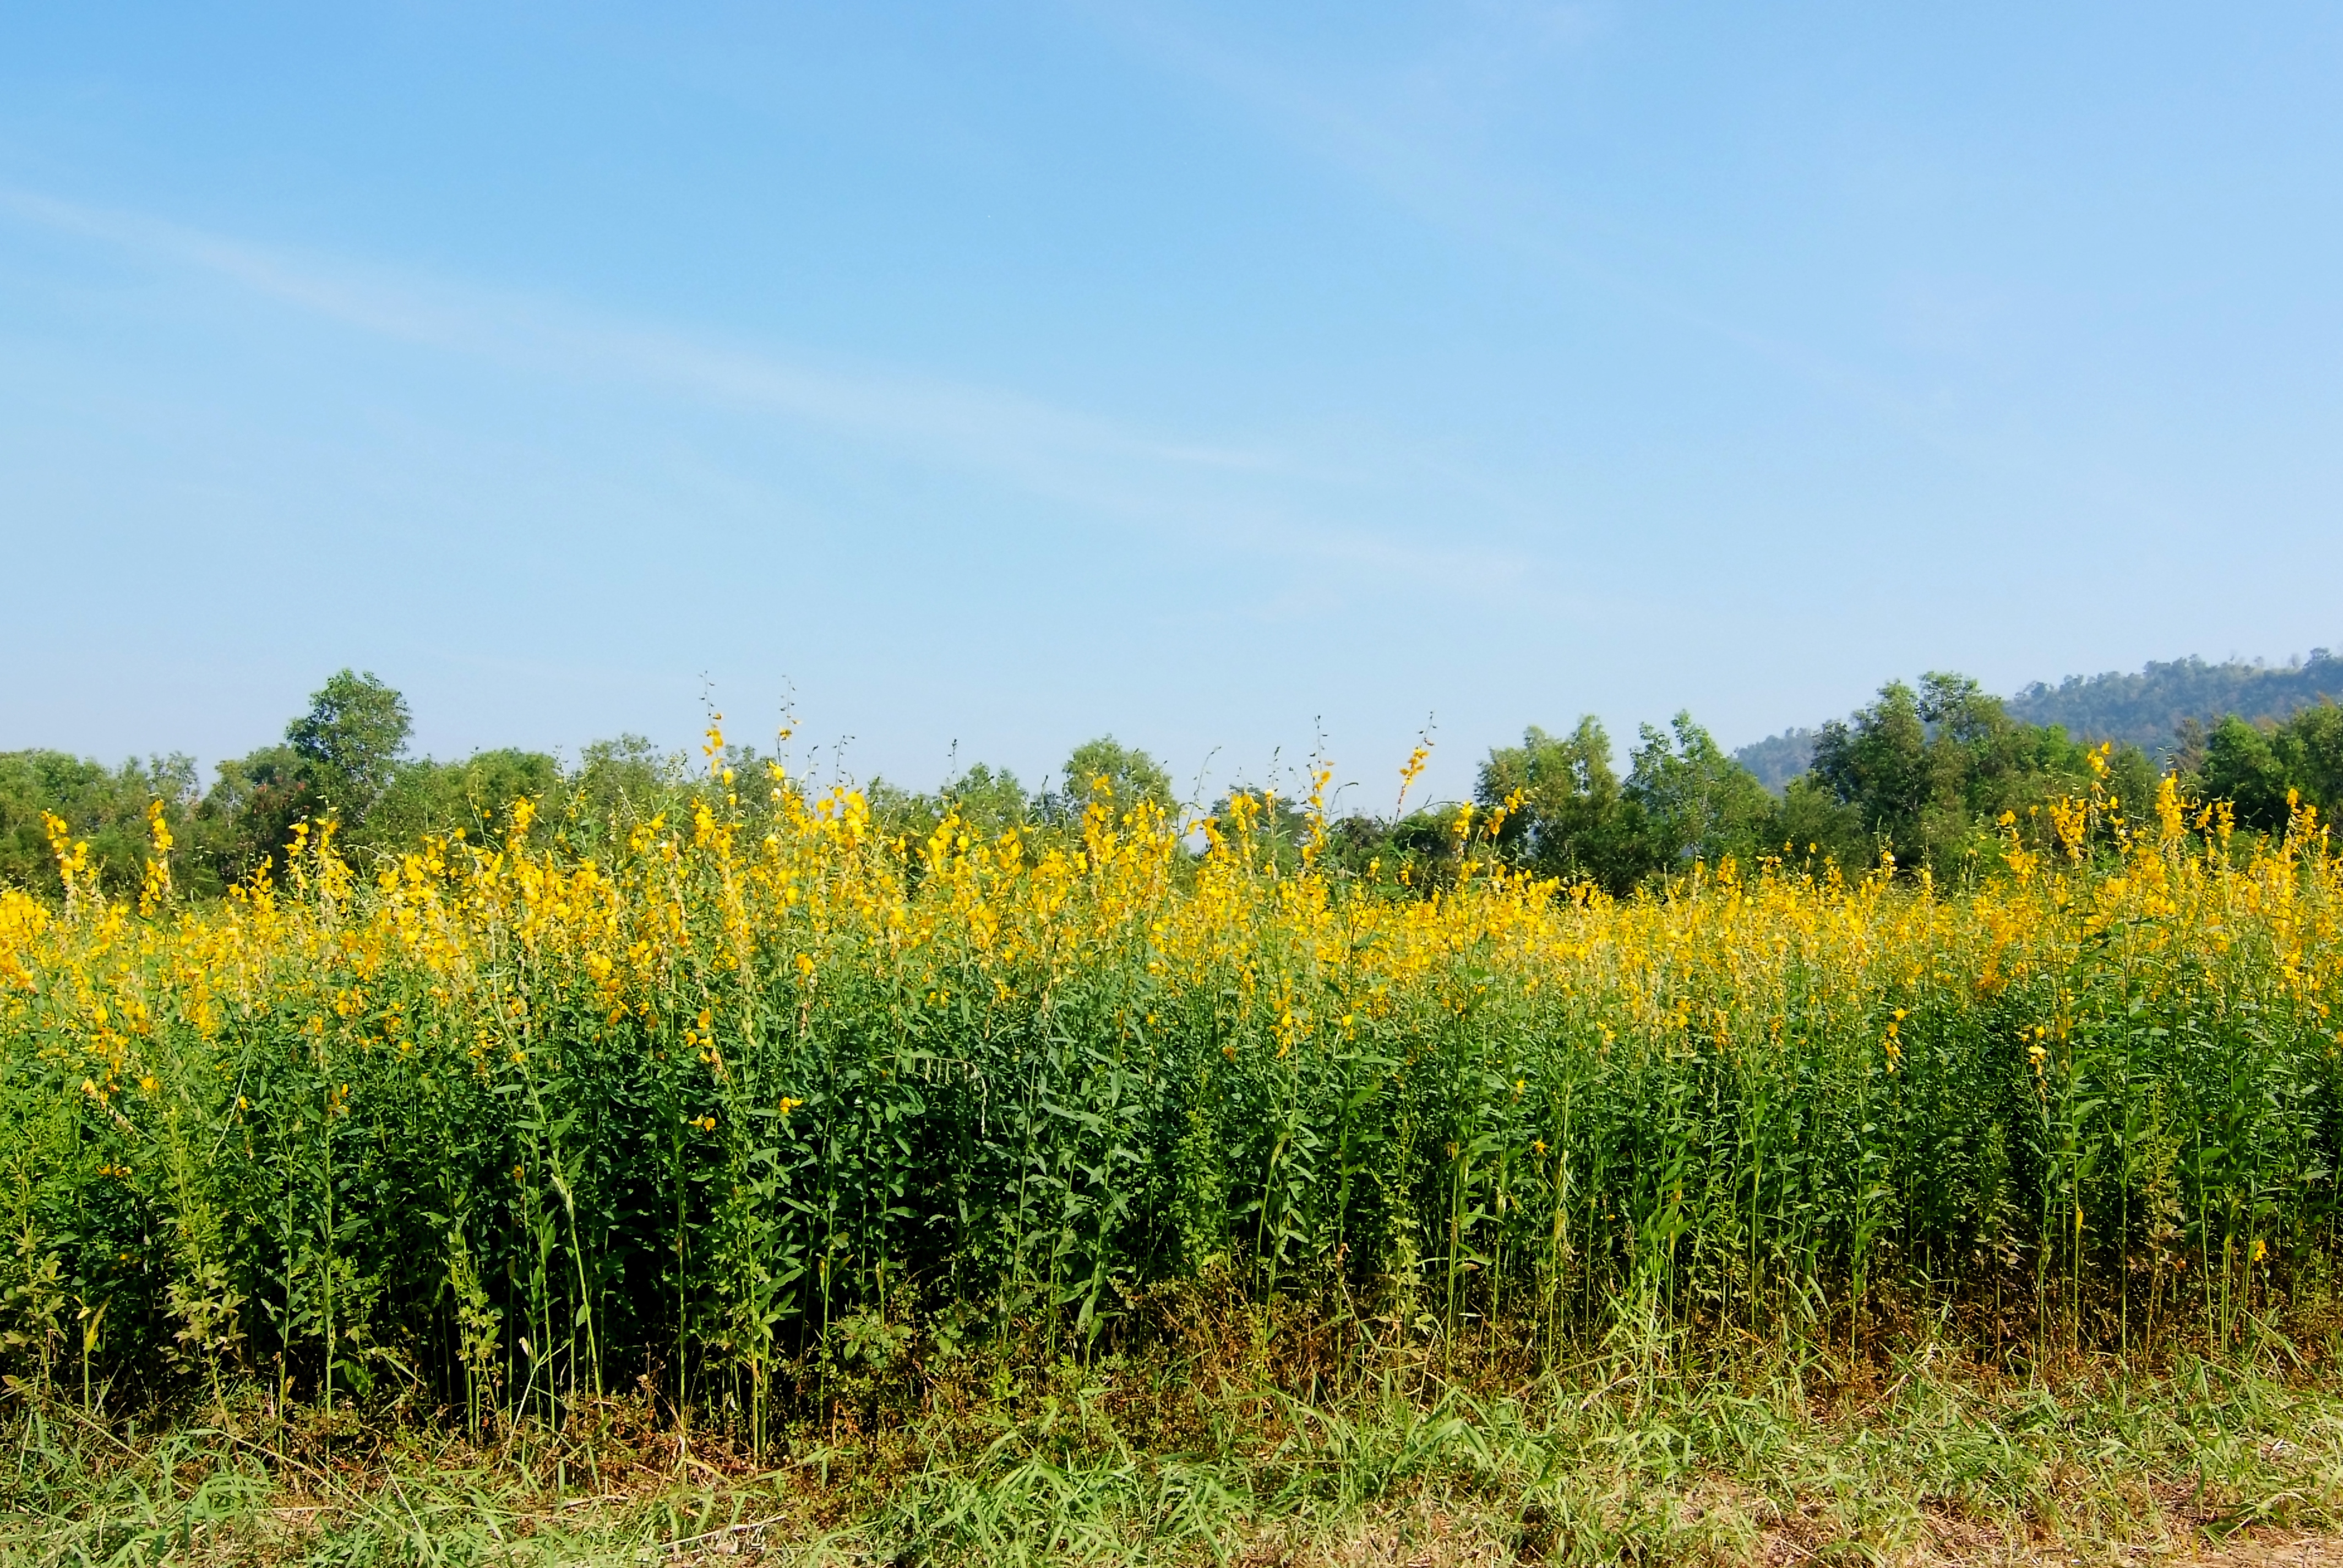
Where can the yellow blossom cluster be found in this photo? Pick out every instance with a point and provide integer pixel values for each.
(687, 1087)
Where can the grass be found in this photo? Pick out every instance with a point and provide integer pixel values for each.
(1203, 1451)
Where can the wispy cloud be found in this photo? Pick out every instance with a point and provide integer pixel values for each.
(1399, 131)
(978, 423)
(1270, 500)
(1414, 133)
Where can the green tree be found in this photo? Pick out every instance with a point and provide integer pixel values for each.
(1925, 773)
(2311, 747)
(1694, 801)
(2242, 767)
(246, 816)
(1281, 827)
(105, 807)
(991, 801)
(1130, 775)
(1570, 817)
(2254, 763)
(351, 740)
(475, 795)
(626, 779)
(1813, 824)
(336, 761)
(1877, 763)
(1414, 855)
(900, 813)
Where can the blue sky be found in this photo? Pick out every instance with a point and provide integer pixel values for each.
(1221, 376)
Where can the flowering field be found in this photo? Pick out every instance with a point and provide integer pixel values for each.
(725, 1095)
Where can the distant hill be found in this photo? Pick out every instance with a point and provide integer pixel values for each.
(2148, 707)
(2145, 709)
(1778, 758)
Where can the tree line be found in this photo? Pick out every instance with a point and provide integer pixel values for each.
(1921, 774)
(346, 761)
(2153, 709)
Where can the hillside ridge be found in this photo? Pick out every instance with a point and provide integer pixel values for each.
(2145, 708)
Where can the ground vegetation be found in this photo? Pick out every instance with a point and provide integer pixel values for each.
(983, 1173)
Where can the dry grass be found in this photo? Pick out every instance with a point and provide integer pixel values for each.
(1175, 1458)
